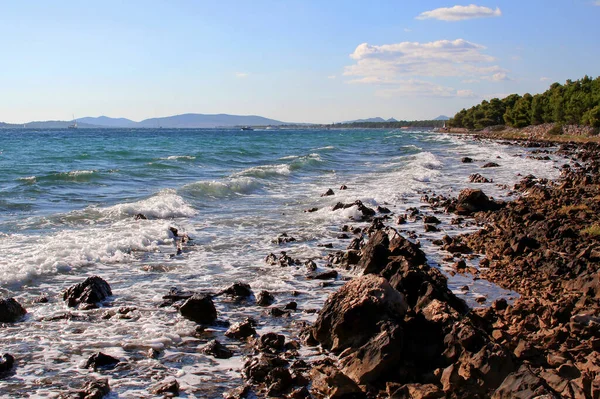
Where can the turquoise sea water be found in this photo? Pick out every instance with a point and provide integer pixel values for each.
(67, 206)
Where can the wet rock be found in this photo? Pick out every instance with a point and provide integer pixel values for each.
(165, 387)
(375, 253)
(355, 244)
(271, 343)
(471, 200)
(152, 353)
(279, 380)
(199, 308)
(41, 299)
(311, 266)
(416, 391)
(326, 275)
(241, 330)
(327, 380)
(383, 209)
(271, 259)
(257, 368)
(216, 349)
(523, 384)
(311, 210)
(351, 316)
(140, 216)
(278, 312)
(430, 228)
(343, 187)
(96, 389)
(93, 290)
(291, 306)
(429, 219)
(328, 193)
(265, 298)
(283, 238)
(376, 358)
(11, 310)
(238, 290)
(365, 210)
(490, 165)
(477, 178)
(466, 160)
(241, 392)
(101, 360)
(7, 362)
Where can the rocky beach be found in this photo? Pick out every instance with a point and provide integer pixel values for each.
(405, 314)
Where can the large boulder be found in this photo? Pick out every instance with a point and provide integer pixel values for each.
(375, 253)
(332, 383)
(10, 310)
(199, 308)
(471, 200)
(352, 316)
(524, 384)
(93, 290)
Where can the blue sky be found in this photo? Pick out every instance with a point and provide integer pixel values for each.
(296, 61)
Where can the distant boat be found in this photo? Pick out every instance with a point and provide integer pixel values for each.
(74, 124)
(246, 128)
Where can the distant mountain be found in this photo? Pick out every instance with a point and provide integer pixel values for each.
(208, 121)
(106, 121)
(169, 122)
(442, 118)
(376, 120)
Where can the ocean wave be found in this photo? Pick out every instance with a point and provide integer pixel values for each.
(164, 205)
(265, 171)
(176, 157)
(28, 179)
(221, 189)
(27, 257)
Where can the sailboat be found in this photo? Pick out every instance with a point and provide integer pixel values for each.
(74, 124)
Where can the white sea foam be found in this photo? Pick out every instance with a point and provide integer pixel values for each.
(265, 171)
(176, 157)
(26, 257)
(221, 189)
(166, 204)
(28, 179)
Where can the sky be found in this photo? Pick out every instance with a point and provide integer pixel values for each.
(316, 61)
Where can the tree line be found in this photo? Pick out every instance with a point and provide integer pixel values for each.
(389, 125)
(574, 103)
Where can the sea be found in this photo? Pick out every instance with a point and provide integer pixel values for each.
(68, 206)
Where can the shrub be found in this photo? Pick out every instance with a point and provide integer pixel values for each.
(592, 231)
(556, 130)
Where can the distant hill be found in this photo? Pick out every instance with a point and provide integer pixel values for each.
(106, 121)
(169, 122)
(208, 121)
(372, 120)
(442, 118)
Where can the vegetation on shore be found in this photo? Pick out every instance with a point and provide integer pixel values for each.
(574, 103)
(389, 125)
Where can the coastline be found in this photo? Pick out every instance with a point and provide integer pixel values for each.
(267, 354)
(571, 133)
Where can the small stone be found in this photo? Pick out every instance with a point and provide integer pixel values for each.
(199, 308)
(328, 193)
(265, 298)
(216, 349)
(10, 310)
(166, 387)
(101, 361)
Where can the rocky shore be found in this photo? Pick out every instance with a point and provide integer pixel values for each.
(395, 330)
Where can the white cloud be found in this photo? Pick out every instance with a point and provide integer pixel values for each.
(414, 88)
(241, 75)
(597, 3)
(331, 77)
(460, 13)
(471, 81)
(440, 58)
(497, 77)
(410, 30)
(465, 93)
(544, 78)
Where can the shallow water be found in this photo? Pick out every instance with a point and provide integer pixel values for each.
(67, 206)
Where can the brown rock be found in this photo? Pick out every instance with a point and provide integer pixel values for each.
(330, 382)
